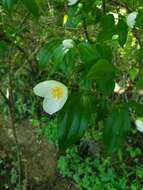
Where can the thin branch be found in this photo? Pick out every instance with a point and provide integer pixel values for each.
(12, 118)
(10, 102)
(86, 31)
(104, 6)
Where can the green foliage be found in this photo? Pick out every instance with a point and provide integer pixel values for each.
(116, 129)
(108, 28)
(122, 31)
(105, 52)
(99, 172)
(46, 53)
(73, 120)
(104, 73)
(73, 17)
(32, 7)
(88, 53)
(137, 107)
(8, 5)
(48, 130)
(139, 19)
(3, 49)
(91, 174)
(92, 169)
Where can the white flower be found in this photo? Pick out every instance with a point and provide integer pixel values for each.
(72, 2)
(131, 18)
(118, 89)
(55, 95)
(68, 44)
(139, 125)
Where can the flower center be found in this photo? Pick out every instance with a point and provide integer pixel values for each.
(57, 92)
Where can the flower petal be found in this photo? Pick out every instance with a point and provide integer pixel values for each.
(43, 89)
(139, 125)
(68, 44)
(118, 89)
(55, 95)
(51, 105)
(72, 2)
(131, 19)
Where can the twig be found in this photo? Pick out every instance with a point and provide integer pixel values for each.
(104, 6)
(12, 119)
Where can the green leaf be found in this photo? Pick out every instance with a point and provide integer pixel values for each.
(105, 86)
(88, 52)
(3, 48)
(102, 69)
(139, 19)
(104, 73)
(69, 62)
(73, 18)
(104, 51)
(46, 52)
(133, 72)
(32, 6)
(137, 107)
(58, 55)
(122, 31)
(116, 129)
(139, 54)
(8, 5)
(139, 84)
(73, 120)
(108, 28)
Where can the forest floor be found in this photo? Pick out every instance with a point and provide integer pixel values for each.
(39, 161)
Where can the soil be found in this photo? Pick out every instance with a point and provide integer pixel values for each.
(39, 160)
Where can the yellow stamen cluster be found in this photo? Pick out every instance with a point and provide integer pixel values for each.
(57, 92)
